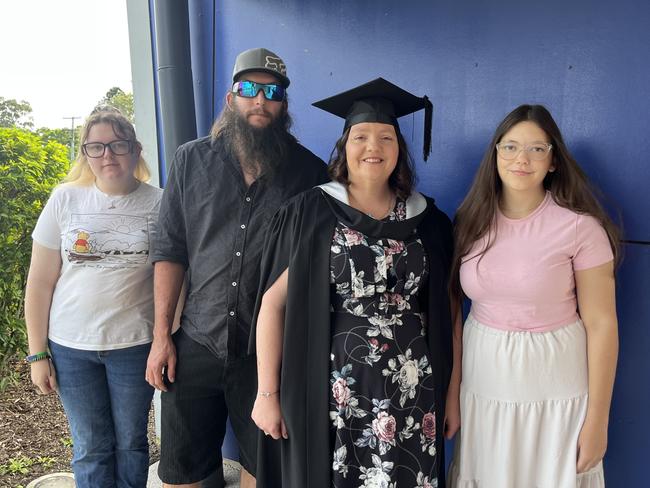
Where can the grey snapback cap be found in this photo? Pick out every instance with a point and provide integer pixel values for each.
(260, 59)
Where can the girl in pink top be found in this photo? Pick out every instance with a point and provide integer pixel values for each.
(535, 253)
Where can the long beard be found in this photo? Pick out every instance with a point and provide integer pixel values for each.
(260, 150)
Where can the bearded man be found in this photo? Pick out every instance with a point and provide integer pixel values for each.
(221, 193)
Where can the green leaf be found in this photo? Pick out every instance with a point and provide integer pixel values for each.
(29, 169)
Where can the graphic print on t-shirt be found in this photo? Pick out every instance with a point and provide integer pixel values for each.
(107, 241)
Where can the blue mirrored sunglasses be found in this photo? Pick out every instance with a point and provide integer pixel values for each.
(250, 89)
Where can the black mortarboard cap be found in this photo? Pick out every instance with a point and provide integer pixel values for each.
(379, 101)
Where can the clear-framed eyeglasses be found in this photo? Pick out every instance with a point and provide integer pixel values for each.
(119, 147)
(536, 152)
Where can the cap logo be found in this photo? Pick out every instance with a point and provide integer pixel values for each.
(275, 64)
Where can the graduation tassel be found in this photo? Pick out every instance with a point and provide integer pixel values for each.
(379, 101)
(428, 117)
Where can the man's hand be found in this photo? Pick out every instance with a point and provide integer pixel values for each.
(44, 376)
(161, 358)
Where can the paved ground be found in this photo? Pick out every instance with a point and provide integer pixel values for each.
(65, 480)
(230, 474)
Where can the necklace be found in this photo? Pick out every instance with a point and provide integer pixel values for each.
(519, 212)
(391, 204)
(113, 199)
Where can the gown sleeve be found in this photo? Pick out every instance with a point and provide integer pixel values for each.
(299, 238)
(436, 234)
(276, 256)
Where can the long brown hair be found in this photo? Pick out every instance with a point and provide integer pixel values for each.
(568, 185)
(401, 180)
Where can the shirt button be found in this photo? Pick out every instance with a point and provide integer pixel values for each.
(243, 226)
(234, 283)
(237, 253)
(232, 314)
(248, 199)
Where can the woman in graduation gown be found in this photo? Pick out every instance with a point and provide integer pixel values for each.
(353, 327)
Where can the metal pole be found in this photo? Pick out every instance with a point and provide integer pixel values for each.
(174, 71)
(72, 136)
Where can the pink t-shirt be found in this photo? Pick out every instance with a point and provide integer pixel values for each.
(525, 280)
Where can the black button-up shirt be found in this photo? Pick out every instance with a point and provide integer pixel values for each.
(215, 225)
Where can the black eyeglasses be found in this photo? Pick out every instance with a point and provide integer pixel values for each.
(97, 149)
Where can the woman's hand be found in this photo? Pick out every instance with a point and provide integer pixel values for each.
(44, 376)
(451, 422)
(595, 290)
(44, 272)
(267, 415)
(592, 444)
(452, 410)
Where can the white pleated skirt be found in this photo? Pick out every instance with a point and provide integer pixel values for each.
(523, 402)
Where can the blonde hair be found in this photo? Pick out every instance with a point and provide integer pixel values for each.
(80, 173)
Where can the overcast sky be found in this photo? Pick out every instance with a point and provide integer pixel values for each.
(63, 56)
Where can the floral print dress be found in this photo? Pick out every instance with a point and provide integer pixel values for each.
(382, 405)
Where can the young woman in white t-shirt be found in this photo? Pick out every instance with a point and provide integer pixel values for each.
(535, 254)
(89, 302)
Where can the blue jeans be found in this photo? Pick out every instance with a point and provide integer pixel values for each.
(107, 402)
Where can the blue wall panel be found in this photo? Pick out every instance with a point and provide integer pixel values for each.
(627, 458)
(587, 61)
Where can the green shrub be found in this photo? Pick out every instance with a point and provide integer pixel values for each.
(29, 169)
(46, 461)
(17, 465)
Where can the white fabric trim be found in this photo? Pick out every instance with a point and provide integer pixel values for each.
(336, 190)
(415, 204)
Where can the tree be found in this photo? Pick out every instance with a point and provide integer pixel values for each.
(62, 136)
(15, 114)
(119, 99)
(29, 169)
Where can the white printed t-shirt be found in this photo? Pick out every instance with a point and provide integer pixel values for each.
(104, 296)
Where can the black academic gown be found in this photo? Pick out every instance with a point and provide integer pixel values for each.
(300, 237)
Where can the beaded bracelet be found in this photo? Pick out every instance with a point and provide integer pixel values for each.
(37, 357)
